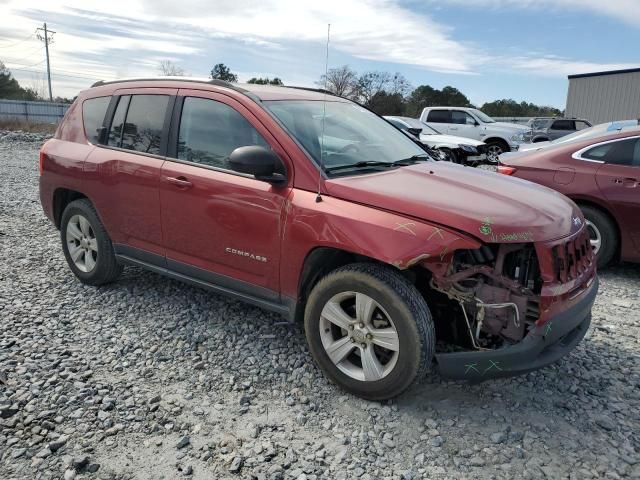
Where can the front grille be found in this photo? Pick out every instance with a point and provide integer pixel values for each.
(572, 258)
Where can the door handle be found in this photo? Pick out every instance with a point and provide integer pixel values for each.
(181, 182)
(630, 182)
(453, 128)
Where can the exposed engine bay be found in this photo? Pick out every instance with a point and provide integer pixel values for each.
(495, 291)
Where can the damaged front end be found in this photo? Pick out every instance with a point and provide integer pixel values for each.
(495, 291)
(490, 307)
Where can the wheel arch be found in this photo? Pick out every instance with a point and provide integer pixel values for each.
(581, 201)
(61, 198)
(496, 139)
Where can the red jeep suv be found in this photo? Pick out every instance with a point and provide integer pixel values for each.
(310, 205)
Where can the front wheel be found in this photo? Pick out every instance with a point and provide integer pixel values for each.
(495, 149)
(369, 330)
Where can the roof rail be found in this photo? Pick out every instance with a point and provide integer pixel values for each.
(318, 90)
(210, 81)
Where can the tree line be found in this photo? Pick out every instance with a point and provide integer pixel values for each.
(391, 93)
(383, 92)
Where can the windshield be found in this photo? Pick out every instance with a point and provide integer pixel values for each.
(483, 116)
(352, 134)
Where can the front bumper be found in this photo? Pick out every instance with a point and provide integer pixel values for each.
(542, 346)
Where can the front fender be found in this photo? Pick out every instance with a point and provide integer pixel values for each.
(385, 236)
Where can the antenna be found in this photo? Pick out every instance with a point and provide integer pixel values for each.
(324, 113)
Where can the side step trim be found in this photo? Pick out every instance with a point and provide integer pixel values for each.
(281, 308)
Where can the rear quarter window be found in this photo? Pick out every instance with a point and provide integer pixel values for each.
(93, 112)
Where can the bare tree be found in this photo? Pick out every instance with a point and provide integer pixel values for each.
(169, 69)
(341, 80)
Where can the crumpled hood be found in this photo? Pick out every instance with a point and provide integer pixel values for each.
(440, 139)
(489, 206)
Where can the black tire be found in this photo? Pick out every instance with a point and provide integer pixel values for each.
(493, 147)
(106, 268)
(449, 155)
(608, 234)
(404, 304)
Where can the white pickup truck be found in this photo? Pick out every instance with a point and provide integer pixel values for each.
(500, 137)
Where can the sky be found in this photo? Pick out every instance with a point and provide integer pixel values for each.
(488, 49)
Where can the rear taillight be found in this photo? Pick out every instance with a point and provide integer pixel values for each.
(41, 162)
(506, 170)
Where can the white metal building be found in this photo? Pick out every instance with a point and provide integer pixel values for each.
(604, 96)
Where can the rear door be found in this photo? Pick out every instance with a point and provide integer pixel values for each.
(220, 226)
(125, 171)
(618, 179)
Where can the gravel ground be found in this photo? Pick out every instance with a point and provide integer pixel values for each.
(148, 379)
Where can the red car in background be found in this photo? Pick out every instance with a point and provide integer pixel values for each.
(601, 175)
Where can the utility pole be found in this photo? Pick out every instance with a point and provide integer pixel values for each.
(47, 40)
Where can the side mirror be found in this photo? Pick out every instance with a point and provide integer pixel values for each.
(414, 131)
(260, 162)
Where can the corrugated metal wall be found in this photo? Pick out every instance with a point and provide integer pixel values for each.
(604, 98)
(36, 112)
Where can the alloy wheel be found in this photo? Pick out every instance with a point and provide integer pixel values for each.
(359, 336)
(594, 236)
(82, 243)
(493, 152)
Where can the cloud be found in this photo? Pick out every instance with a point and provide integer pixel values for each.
(554, 66)
(627, 11)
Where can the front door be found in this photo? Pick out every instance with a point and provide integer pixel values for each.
(464, 125)
(220, 226)
(619, 181)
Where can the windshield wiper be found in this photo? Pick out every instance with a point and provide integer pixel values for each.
(374, 163)
(422, 157)
(363, 164)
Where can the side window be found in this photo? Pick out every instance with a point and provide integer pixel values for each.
(623, 152)
(439, 116)
(210, 131)
(580, 125)
(563, 125)
(462, 118)
(93, 112)
(115, 133)
(142, 130)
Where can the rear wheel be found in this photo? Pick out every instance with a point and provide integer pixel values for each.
(86, 244)
(369, 330)
(603, 234)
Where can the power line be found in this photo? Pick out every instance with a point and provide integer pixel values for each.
(25, 57)
(18, 42)
(55, 72)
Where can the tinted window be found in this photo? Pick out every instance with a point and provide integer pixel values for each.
(623, 152)
(115, 134)
(143, 127)
(581, 125)
(439, 116)
(93, 111)
(396, 123)
(210, 131)
(462, 118)
(563, 125)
